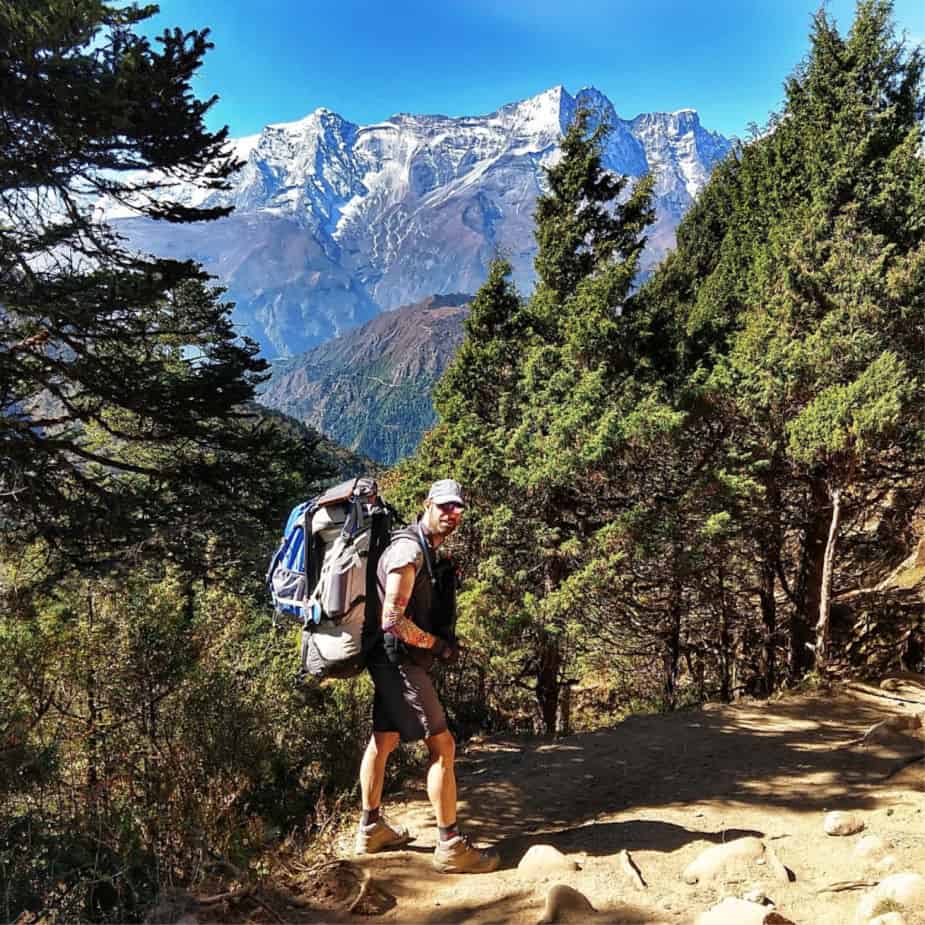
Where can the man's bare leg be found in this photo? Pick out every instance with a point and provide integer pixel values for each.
(374, 833)
(372, 768)
(455, 853)
(441, 777)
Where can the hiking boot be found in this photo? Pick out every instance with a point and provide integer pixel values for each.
(379, 835)
(459, 856)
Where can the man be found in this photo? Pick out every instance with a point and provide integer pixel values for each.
(414, 634)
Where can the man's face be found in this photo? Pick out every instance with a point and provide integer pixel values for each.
(442, 519)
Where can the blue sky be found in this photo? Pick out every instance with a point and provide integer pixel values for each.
(278, 60)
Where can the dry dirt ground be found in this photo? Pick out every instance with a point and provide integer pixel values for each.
(663, 788)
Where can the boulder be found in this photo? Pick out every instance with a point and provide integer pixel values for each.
(710, 863)
(757, 896)
(732, 911)
(907, 890)
(839, 823)
(871, 848)
(542, 861)
(564, 904)
(904, 890)
(888, 918)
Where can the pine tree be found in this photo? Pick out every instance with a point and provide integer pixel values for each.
(122, 381)
(529, 415)
(792, 287)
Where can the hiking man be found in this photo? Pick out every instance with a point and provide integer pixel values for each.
(413, 635)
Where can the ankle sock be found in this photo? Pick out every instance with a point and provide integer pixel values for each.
(369, 816)
(448, 831)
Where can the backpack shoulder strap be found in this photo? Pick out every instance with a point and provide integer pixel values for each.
(414, 532)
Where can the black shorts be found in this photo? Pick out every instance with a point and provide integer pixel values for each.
(406, 701)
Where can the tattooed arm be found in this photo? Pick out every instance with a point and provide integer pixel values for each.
(399, 584)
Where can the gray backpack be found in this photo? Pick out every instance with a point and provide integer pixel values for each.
(329, 556)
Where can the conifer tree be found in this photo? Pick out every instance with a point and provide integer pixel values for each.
(529, 413)
(122, 381)
(793, 288)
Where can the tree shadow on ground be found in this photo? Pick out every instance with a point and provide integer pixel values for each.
(604, 839)
(783, 755)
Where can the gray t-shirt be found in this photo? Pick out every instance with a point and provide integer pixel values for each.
(402, 551)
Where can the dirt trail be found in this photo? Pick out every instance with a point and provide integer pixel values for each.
(665, 788)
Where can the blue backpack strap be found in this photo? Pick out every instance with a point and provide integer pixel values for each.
(287, 538)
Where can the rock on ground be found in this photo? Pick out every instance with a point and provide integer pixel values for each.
(839, 823)
(565, 904)
(889, 918)
(904, 890)
(871, 847)
(542, 861)
(732, 911)
(710, 863)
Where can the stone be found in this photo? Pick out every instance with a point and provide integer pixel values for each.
(757, 896)
(543, 861)
(871, 847)
(905, 890)
(839, 823)
(908, 890)
(886, 863)
(710, 863)
(777, 867)
(888, 918)
(732, 911)
(563, 904)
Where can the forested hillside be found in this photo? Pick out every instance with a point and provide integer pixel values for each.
(140, 490)
(370, 389)
(705, 487)
(676, 491)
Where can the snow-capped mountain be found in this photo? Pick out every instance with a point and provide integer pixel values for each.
(335, 222)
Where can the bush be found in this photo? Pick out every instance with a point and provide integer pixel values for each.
(152, 724)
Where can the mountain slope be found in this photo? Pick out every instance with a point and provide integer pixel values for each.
(335, 222)
(369, 389)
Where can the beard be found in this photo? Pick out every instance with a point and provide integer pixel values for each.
(446, 527)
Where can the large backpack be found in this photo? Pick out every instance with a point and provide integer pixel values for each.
(324, 575)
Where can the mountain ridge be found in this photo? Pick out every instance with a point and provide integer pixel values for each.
(335, 222)
(370, 389)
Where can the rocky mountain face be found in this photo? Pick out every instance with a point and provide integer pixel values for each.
(335, 222)
(369, 389)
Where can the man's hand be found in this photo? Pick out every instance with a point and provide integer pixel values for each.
(447, 652)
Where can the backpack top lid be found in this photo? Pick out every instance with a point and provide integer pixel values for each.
(353, 489)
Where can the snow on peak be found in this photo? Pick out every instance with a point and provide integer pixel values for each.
(320, 117)
(240, 148)
(548, 112)
(340, 180)
(678, 122)
(592, 98)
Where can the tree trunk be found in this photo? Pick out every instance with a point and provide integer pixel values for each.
(770, 568)
(564, 721)
(811, 572)
(769, 628)
(549, 657)
(91, 741)
(547, 682)
(825, 590)
(671, 657)
(725, 644)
